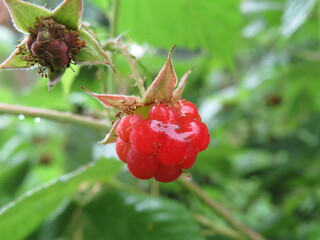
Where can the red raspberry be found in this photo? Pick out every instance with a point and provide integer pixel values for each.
(164, 143)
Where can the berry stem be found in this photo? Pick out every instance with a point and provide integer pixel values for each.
(221, 210)
(55, 116)
(154, 188)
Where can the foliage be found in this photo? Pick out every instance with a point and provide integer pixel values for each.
(255, 82)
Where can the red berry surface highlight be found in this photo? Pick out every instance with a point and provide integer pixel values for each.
(165, 143)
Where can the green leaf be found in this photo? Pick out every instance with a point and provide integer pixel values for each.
(13, 174)
(69, 13)
(58, 224)
(202, 24)
(14, 61)
(119, 215)
(295, 14)
(92, 53)
(68, 78)
(23, 14)
(41, 201)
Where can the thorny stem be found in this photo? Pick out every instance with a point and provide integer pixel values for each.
(89, 122)
(135, 72)
(66, 117)
(221, 210)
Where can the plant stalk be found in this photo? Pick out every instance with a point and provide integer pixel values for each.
(113, 34)
(65, 117)
(221, 210)
(218, 229)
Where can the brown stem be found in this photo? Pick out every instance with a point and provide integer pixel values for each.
(55, 115)
(221, 210)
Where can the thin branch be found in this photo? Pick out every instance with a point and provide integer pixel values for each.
(305, 54)
(113, 33)
(132, 62)
(218, 229)
(221, 210)
(55, 116)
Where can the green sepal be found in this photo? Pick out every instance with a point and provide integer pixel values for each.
(14, 61)
(55, 76)
(92, 53)
(69, 13)
(23, 14)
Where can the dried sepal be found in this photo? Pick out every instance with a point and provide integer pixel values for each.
(23, 14)
(164, 84)
(177, 94)
(111, 136)
(126, 104)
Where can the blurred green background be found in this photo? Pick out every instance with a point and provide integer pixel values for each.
(256, 83)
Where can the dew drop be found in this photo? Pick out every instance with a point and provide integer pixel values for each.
(37, 119)
(21, 116)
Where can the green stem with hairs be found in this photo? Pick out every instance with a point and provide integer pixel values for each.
(57, 116)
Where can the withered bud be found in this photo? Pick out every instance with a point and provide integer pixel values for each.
(52, 45)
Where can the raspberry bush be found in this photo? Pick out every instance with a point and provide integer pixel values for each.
(163, 144)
